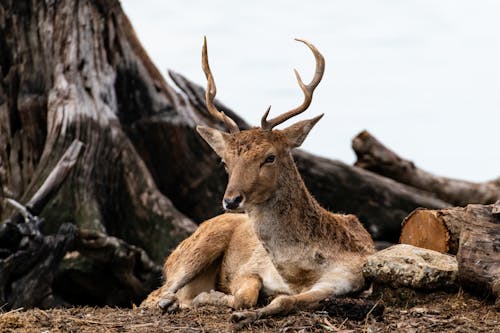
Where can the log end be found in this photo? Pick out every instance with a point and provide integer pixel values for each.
(423, 228)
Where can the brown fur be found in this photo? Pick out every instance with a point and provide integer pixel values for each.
(286, 244)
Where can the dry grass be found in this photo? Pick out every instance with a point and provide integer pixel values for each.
(438, 312)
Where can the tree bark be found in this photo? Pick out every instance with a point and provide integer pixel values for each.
(374, 156)
(479, 252)
(437, 230)
(85, 77)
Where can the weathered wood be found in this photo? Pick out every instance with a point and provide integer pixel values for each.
(479, 252)
(380, 203)
(437, 230)
(85, 77)
(374, 156)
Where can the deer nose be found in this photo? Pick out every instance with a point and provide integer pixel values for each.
(232, 203)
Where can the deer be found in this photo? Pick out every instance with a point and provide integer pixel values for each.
(275, 239)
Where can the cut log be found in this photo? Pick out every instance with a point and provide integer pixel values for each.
(479, 252)
(374, 156)
(437, 230)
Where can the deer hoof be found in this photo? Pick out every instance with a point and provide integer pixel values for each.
(244, 317)
(169, 303)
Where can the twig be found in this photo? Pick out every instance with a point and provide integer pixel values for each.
(12, 311)
(365, 329)
(21, 209)
(135, 326)
(329, 326)
(295, 328)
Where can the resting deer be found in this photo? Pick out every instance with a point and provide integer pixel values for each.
(285, 245)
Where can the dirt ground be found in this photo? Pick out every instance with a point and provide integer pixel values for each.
(408, 312)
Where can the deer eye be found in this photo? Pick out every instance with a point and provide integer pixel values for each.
(270, 159)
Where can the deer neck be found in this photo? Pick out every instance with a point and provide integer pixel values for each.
(291, 214)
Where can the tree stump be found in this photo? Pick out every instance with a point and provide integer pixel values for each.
(75, 70)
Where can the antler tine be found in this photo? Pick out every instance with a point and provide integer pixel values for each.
(212, 90)
(307, 90)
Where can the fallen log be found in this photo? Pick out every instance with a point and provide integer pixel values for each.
(374, 156)
(479, 251)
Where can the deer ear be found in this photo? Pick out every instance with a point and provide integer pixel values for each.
(297, 133)
(215, 138)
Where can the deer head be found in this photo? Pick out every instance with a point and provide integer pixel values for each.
(258, 161)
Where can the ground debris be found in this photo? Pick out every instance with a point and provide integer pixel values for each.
(436, 312)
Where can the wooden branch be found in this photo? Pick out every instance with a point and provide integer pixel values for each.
(53, 181)
(374, 156)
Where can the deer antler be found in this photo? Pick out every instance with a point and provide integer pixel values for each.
(212, 90)
(307, 89)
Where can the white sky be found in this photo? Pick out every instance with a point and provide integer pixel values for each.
(422, 76)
